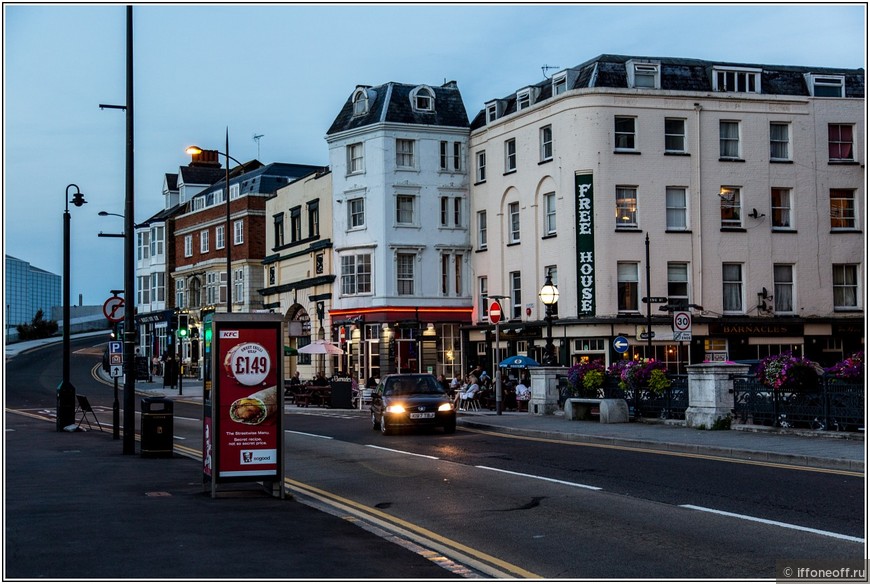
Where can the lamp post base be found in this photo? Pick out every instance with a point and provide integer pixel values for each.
(66, 405)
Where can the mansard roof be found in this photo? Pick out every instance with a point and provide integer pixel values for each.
(264, 179)
(198, 175)
(392, 103)
(678, 74)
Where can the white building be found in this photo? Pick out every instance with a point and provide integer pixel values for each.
(398, 155)
(747, 180)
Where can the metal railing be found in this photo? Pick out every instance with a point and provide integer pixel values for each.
(670, 404)
(833, 405)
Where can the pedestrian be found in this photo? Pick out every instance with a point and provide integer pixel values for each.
(469, 392)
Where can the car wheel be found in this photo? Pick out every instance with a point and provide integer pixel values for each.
(385, 429)
(450, 427)
(375, 424)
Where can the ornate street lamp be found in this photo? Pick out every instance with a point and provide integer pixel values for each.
(197, 150)
(66, 392)
(549, 296)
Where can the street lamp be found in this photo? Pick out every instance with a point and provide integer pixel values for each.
(66, 392)
(549, 296)
(197, 150)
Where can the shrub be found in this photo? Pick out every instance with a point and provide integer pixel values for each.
(633, 374)
(849, 369)
(586, 378)
(785, 371)
(39, 328)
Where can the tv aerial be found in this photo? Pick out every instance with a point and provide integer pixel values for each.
(256, 137)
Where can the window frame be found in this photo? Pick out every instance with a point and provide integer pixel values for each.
(405, 155)
(405, 273)
(188, 246)
(514, 225)
(481, 230)
(783, 290)
(560, 83)
(352, 283)
(626, 207)
(220, 237)
(729, 143)
(405, 204)
(736, 288)
(623, 139)
(844, 289)
(781, 208)
(844, 213)
(481, 166)
(355, 158)
(203, 241)
(737, 79)
(549, 206)
(516, 283)
(671, 135)
(238, 232)
(816, 81)
(729, 209)
(356, 213)
(627, 288)
(673, 210)
(546, 141)
(840, 148)
(675, 269)
(778, 143)
(510, 155)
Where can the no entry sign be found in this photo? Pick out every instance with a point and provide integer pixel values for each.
(494, 312)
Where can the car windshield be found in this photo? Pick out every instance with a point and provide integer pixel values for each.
(412, 386)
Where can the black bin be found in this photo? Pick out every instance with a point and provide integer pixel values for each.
(341, 395)
(156, 427)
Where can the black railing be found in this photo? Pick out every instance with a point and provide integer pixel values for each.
(832, 405)
(670, 403)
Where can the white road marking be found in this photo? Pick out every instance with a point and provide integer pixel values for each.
(776, 523)
(403, 452)
(570, 484)
(307, 434)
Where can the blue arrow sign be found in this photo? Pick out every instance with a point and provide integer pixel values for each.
(620, 344)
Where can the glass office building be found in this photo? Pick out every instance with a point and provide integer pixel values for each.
(28, 289)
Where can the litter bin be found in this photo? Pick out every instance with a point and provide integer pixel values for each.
(156, 427)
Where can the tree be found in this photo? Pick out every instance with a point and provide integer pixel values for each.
(39, 328)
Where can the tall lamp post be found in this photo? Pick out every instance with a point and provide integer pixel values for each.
(66, 392)
(197, 150)
(549, 296)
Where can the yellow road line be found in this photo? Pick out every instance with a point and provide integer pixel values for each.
(668, 453)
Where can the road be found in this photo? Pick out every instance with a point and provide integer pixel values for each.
(521, 507)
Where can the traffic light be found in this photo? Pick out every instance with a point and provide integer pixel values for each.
(183, 329)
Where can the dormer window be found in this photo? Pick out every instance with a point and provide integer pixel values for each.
(826, 85)
(423, 99)
(524, 99)
(491, 112)
(360, 102)
(560, 83)
(737, 79)
(643, 75)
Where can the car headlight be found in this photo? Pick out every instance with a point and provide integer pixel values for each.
(396, 409)
(448, 407)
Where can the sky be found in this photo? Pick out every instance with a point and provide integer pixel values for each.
(282, 72)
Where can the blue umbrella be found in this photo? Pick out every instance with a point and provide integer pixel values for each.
(519, 362)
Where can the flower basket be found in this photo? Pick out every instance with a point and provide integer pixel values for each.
(787, 372)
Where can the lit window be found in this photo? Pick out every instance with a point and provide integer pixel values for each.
(729, 205)
(626, 207)
(780, 208)
(842, 209)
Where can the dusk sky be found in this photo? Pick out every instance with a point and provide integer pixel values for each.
(283, 72)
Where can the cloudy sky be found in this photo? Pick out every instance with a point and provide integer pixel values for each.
(283, 71)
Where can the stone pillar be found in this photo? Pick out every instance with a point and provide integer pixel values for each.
(545, 389)
(710, 397)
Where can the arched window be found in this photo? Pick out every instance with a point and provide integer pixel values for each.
(360, 102)
(423, 99)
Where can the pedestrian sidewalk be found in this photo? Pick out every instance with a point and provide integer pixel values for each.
(828, 450)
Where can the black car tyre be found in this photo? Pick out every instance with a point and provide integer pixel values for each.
(375, 424)
(385, 429)
(450, 427)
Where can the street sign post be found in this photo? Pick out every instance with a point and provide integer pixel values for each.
(494, 312)
(113, 309)
(620, 344)
(655, 299)
(682, 326)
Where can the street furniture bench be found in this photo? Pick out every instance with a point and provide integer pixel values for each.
(609, 411)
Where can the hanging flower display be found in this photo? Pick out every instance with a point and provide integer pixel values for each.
(785, 371)
(849, 369)
(586, 378)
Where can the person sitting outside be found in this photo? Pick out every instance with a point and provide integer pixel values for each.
(524, 394)
(469, 392)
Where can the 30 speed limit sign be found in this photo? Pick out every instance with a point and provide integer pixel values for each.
(682, 326)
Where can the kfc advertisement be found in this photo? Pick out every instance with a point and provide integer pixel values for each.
(244, 441)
